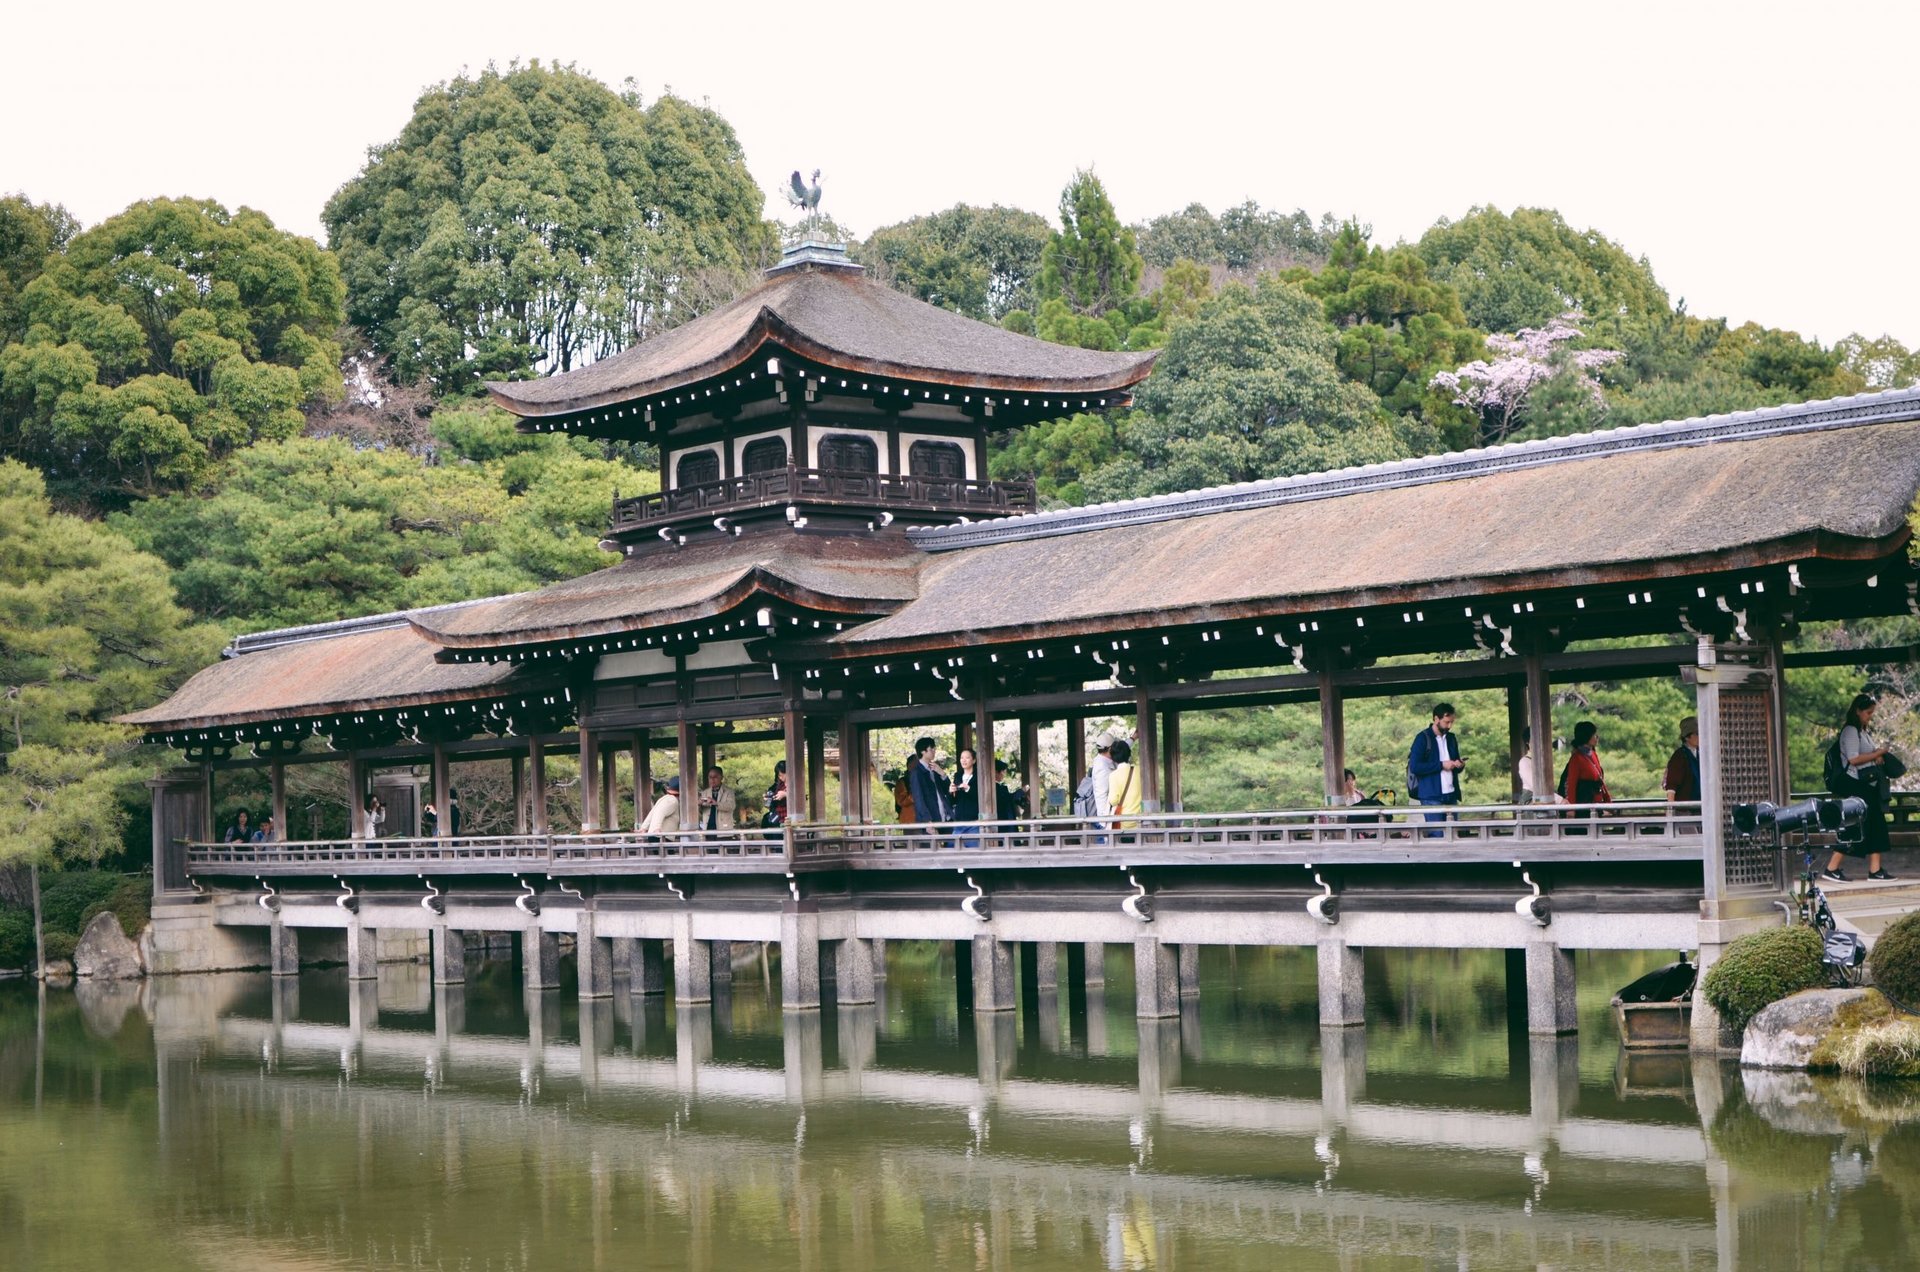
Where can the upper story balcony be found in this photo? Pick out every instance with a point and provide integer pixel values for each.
(924, 499)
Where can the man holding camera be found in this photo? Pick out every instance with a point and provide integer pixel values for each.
(1434, 763)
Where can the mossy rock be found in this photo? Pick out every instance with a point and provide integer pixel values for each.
(1763, 968)
(1895, 961)
(1870, 1038)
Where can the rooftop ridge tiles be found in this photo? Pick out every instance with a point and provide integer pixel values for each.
(1887, 406)
(281, 637)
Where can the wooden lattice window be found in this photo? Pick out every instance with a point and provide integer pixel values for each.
(697, 468)
(764, 455)
(848, 453)
(936, 459)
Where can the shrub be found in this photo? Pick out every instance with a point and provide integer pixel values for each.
(131, 902)
(60, 945)
(1763, 968)
(1895, 961)
(16, 939)
(1870, 1039)
(66, 895)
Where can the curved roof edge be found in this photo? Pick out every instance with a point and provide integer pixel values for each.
(1892, 405)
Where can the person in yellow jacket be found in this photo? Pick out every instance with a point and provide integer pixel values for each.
(1123, 786)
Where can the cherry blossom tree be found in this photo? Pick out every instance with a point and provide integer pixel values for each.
(1499, 389)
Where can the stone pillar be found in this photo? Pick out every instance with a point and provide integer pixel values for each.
(623, 956)
(1551, 1008)
(283, 949)
(993, 983)
(1047, 1016)
(540, 960)
(449, 956)
(363, 952)
(1046, 966)
(859, 1034)
(1159, 1058)
(722, 958)
(799, 954)
(1343, 999)
(1189, 971)
(1156, 980)
(879, 944)
(1096, 956)
(803, 1052)
(595, 959)
(852, 972)
(996, 1041)
(449, 1011)
(1553, 1083)
(647, 970)
(692, 968)
(1343, 1072)
(363, 1007)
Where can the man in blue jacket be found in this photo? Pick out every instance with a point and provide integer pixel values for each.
(1434, 762)
(927, 784)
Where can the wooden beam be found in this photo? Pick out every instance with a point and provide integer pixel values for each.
(589, 782)
(442, 792)
(1076, 754)
(1147, 753)
(852, 745)
(519, 794)
(689, 779)
(1170, 761)
(1030, 763)
(1879, 655)
(816, 767)
(797, 802)
(537, 785)
(1539, 693)
(642, 776)
(1333, 737)
(277, 782)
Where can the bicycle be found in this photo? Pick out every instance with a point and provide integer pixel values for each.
(1841, 953)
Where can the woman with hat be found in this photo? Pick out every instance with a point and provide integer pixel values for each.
(1682, 782)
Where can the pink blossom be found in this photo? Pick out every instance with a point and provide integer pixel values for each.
(1498, 390)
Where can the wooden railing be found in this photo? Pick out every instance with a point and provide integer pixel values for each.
(1647, 830)
(823, 486)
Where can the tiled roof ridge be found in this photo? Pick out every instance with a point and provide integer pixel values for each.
(1799, 417)
(280, 637)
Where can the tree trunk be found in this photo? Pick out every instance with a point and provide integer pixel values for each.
(39, 931)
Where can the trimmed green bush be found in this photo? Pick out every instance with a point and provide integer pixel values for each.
(1895, 961)
(16, 939)
(131, 901)
(1763, 968)
(66, 895)
(60, 945)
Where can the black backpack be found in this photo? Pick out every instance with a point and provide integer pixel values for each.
(1834, 771)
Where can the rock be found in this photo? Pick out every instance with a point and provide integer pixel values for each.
(104, 1004)
(105, 953)
(1785, 1033)
(1789, 1101)
(59, 973)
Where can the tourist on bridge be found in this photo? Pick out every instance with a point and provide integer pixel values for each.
(1009, 804)
(1867, 775)
(1102, 773)
(1682, 782)
(1349, 790)
(429, 821)
(932, 799)
(1584, 780)
(1123, 786)
(373, 825)
(1434, 763)
(966, 796)
(665, 814)
(717, 801)
(775, 800)
(266, 834)
(241, 831)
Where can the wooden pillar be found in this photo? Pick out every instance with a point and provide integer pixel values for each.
(816, 770)
(642, 777)
(356, 799)
(442, 789)
(982, 760)
(536, 786)
(609, 789)
(1777, 709)
(206, 799)
(689, 778)
(519, 794)
(1030, 765)
(1516, 724)
(1170, 762)
(962, 739)
(706, 759)
(1076, 754)
(589, 780)
(1333, 736)
(1146, 757)
(853, 744)
(277, 777)
(1540, 722)
(793, 727)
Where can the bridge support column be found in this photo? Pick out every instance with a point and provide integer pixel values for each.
(363, 1007)
(692, 1040)
(449, 956)
(595, 958)
(1553, 1082)
(692, 967)
(853, 972)
(283, 949)
(803, 1055)
(363, 952)
(879, 944)
(647, 968)
(1551, 1008)
(622, 947)
(1343, 1072)
(996, 1042)
(1343, 985)
(1189, 971)
(1095, 962)
(1046, 966)
(1156, 980)
(963, 974)
(540, 960)
(1159, 1057)
(799, 958)
(993, 975)
(722, 955)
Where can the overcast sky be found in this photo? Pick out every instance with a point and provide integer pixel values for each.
(1761, 155)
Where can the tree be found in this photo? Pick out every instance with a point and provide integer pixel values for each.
(981, 262)
(1249, 389)
(1884, 363)
(91, 631)
(531, 220)
(1089, 270)
(1245, 240)
(1523, 270)
(1502, 392)
(161, 340)
(30, 233)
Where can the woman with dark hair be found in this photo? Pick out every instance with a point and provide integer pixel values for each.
(776, 798)
(1583, 780)
(1866, 777)
(1123, 786)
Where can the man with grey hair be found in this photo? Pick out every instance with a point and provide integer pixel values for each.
(1102, 770)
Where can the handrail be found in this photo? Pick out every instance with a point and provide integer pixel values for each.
(823, 485)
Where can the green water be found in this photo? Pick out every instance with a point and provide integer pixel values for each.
(228, 1122)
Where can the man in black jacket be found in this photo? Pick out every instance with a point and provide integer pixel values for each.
(932, 801)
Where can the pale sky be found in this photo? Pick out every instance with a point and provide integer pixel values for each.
(1760, 154)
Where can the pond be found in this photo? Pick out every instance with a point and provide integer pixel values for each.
(235, 1122)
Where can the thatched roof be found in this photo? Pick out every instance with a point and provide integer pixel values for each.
(836, 318)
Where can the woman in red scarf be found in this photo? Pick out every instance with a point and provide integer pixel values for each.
(1583, 781)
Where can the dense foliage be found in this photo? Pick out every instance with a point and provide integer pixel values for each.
(981, 262)
(1895, 960)
(1762, 968)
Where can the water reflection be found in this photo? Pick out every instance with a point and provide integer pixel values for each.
(229, 1121)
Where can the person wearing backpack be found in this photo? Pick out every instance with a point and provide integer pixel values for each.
(1861, 766)
(1434, 764)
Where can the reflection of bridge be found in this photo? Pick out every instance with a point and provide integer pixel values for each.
(1337, 1176)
